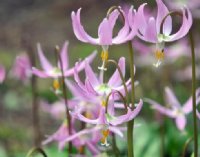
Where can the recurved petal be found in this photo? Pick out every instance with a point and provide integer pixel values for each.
(79, 30)
(187, 107)
(181, 122)
(64, 56)
(161, 13)
(150, 32)
(185, 27)
(105, 32)
(91, 75)
(142, 21)
(39, 73)
(160, 108)
(115, 79)
(171, 98)
(43, 60)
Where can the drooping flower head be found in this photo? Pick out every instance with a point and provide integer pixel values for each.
(175, 110)
(105, 31)
(158, 30)
(50, 71)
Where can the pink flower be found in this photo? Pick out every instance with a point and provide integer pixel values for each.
(105, 30)
(54, 72)
(2, 73)
(150, 29)
(176, 111)
(22, 67)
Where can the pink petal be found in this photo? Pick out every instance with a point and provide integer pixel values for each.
(161, 13)
(185, 27)
(105, 33)
(81, 65)
(150, 32)
(40, 73)
(181, 122)
(171, 98)
(64, 56)
(43, 60)
(187, 107)
(115, 79)
(160, 108)
(91, 75)
(79, 30)
(123, 32)
(142, 24)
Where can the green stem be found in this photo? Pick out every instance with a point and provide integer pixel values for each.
(195, 127)
(36, 150)
(186, 146)
(115, 149)
(131, 123)
(64, 88)
(121, 76)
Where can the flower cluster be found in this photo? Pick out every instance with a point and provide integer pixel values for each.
(100, 105)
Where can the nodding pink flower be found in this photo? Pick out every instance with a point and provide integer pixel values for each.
(175, 110)
(21, 69)
(50, 71)
(150, 29)
(95, 86)
(105, 31)
(2, 73)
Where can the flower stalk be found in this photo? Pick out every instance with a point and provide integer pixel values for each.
(64, 88)
(195, 126)
(130, 124)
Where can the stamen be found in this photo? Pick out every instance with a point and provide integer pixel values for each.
(159, 55)
(103, 103)
(56, 84)
(104, 57)
(105, 134)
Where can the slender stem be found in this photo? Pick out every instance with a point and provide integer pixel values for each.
(35, 105)
(64, 88)
(131, 123)
(122, 98)
(36, 150)
(115, 148)
(121, 76)
(186, 146)
(195, 127)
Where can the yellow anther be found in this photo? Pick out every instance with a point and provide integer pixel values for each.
(104, 55)
(105, 133)
(159, 54)
(103, 103)
(56, 84)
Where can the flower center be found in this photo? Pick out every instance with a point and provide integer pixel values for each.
(55, 71)
(103, 89)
